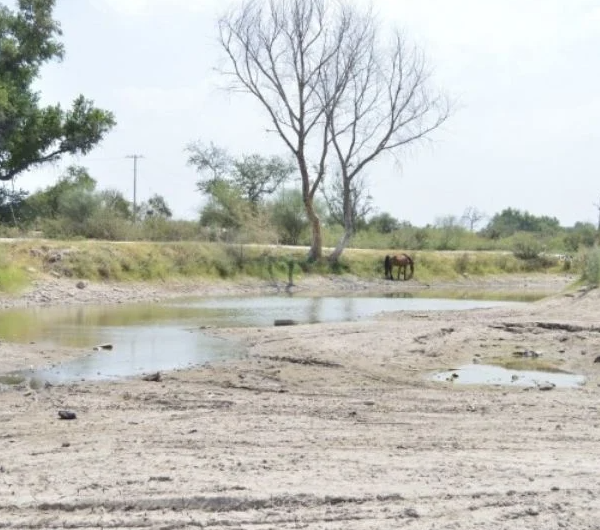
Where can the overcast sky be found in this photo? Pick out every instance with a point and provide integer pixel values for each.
(524, 74)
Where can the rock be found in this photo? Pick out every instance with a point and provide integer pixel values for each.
(284, 322)
(527, 353)
(153, 377)
(546, 386)
(597, 359)
(107, 346)
(81, 284)
(67, 415)
(411, 512)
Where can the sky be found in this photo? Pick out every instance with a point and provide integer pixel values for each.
(523, 75)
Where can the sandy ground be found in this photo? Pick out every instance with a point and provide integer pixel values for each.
(328, 426)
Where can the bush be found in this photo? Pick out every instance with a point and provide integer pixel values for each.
(527, 246)
(591, 268)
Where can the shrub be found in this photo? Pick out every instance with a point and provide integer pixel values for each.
(527, 246)
(591, 268)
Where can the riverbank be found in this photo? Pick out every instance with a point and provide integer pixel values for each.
(327, 426)
(49, 290)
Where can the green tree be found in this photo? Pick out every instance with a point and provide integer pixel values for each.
(50, 202)
(580, 235)
(157, 207)
(384, 223)
(31, 135)
(254, 175)
(112, 200)
(510, 221)
(289, 216)
(258, 176)
(226, 207)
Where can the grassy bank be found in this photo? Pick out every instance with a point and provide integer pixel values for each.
(22, 261)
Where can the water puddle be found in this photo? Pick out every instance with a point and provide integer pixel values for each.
(482, 374)
(167, 336)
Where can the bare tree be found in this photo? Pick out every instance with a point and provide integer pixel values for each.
(472, 217)
(329, 85)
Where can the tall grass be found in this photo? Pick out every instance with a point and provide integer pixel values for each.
(12, 277)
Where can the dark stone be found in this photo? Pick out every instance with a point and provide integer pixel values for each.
(285, 322)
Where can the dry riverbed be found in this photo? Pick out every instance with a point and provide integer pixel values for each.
(327, 426)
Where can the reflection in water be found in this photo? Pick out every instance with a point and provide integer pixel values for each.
(399, 294)
(152, 336)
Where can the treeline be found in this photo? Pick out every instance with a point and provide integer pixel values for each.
(253, 200)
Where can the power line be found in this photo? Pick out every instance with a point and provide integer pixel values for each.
(135, 159)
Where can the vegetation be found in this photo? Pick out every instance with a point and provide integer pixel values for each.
(31, 135)
(336, 93)
(148, 261)
(321, 73)
(591, 268)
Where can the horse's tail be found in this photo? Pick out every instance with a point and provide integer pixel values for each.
(387, 265)
(411, 264)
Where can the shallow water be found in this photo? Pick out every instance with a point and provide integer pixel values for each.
(169, 335)
(482, 374)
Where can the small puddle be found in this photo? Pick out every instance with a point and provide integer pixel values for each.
(484, 374)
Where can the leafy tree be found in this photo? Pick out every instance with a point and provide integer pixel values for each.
(330, 87)
(384, 223)
(510, 221)
(254, 175)
(226, 207)
(49, 202)
(259, 176)
(31, 135)
(212, 162)
(78, 204)
(113, 201)
(289, 216)
(157, 207)
(580, 235)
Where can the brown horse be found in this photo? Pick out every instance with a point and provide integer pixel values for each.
(404, 263)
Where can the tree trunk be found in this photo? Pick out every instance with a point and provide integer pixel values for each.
(342, 243)
(348, 224)
(316, 249)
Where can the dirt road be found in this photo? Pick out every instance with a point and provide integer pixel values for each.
(329, 426)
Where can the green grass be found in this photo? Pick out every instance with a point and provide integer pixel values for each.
(12, 276)
(156, 261)
(11, 379)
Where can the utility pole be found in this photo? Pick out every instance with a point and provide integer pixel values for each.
(135, 159)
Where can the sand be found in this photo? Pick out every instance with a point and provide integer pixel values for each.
(325, 426)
